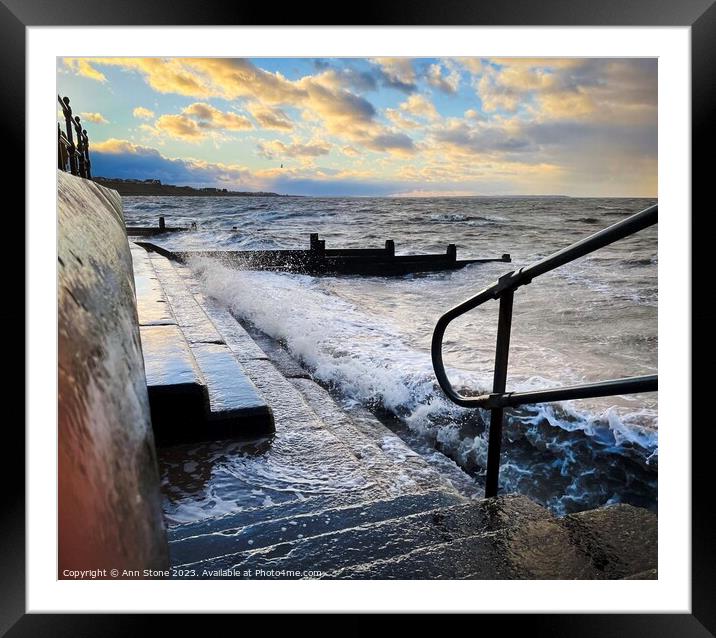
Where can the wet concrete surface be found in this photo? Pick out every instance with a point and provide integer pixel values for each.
(345, 496)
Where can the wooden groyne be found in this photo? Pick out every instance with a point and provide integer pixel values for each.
(319, 260)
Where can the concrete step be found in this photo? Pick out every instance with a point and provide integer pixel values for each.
(369, 543)
(620, 540)
(233, 534)
(177, 394)
(198, 390)
(401, 469)
(615, 542)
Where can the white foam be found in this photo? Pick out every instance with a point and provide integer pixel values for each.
(366, 358)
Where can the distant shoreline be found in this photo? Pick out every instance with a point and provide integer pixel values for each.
(155, 187)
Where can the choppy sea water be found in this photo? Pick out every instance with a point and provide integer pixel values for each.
(368, 338)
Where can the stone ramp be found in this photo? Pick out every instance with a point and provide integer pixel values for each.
(197, 388)
(428, 536)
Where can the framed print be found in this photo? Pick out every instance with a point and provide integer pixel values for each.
(360, 318)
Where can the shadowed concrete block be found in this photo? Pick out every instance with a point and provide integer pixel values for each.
(235, 407)
(177, 394)
(109, 500)
(621, 540)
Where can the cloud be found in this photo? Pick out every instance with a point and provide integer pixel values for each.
(277, 149)
(420, 106)
(82, 67)
(397, 73)
(398, 142)
(125, 159)
(270, 118)
(482, 140)
(209, 117)
(471, 65)
(572, 89)
(322, 97)
(95, 118)
(409, 113)
(114, 146)
(198, 120)
(143, 113)
(539, 125)
(447, 83)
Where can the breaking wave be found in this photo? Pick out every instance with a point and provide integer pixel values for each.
(566, 458)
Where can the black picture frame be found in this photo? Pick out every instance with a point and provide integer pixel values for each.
(700, 15)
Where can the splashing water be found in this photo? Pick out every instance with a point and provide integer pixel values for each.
(368, 339)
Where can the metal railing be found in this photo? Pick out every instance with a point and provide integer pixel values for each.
(72, 157)
(504, 289)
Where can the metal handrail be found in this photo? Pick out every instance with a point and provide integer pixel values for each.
(504, 289)
(71, 157)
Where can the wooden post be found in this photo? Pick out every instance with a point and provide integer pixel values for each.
(390, 247)
(452, 252)
(314, 241)
(162, 225)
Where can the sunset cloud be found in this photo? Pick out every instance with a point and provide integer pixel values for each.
(398, 73)
(143, 113)
(198, 121)
(573, 126)
(95, 118)
(443, 79)
(270, 118)
(277, 149)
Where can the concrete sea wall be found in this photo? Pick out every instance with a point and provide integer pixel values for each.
(109, 501)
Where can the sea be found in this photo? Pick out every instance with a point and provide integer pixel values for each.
(367, 339)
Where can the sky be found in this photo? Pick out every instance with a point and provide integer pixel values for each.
(373, 126)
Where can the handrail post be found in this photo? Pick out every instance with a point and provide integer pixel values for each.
(499, 383)
(87, 157)
(80, 147)
(69, 123)
(61, 151)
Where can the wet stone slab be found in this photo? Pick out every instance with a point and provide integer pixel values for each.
(234, 335)
(230, 390)
(365, 543)
(621, 540)
(401, 472)
(167, 358)
(203, 540)
(191, 318)
(152, 307)
(286, 365)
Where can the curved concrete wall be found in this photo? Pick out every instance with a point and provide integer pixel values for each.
(109, 501)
